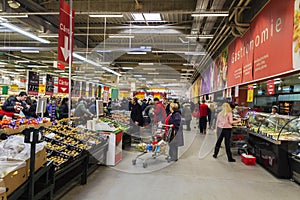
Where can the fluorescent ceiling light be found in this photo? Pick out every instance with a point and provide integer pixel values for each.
(137, 75)
(22, 61)
(2, 66)
(64, 73)
(149, 69)
(153, 73)
(188, 70)
(30, 51)
(121, 36)
(195, 53)
(145, 64)
(146, 16)
(152, 16)
(136, 52)
(127, 67)
(106, 15)
(20, 70)
(142, 78)
(38, 66)
(211, 14)
(57, 71)
(48, 35)
(200, 36)
(14, 15)
(188, 64)
(25, 33)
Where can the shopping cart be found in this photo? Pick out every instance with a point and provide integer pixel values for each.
(158, 147)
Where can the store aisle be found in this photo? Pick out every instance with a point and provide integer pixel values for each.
(189, 178)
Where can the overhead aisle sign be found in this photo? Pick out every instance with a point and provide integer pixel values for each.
(63, 85)
(64, 32)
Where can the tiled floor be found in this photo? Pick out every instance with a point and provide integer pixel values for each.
(189, 178)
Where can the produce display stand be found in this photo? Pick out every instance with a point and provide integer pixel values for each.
(43, 183)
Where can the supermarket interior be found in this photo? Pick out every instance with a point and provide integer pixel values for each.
(123, 99)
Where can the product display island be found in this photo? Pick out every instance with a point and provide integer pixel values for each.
(272, 138)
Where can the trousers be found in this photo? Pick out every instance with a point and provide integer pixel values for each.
(224, 133)
(203, 124)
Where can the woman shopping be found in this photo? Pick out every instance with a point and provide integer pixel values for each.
(224, 127)
(177, 135)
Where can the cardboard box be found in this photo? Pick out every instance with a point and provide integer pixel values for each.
(3, 195)
(40, 160)
(14, 179)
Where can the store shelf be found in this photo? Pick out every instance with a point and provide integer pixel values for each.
(277, 142)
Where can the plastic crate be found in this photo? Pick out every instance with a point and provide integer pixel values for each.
(248, 159)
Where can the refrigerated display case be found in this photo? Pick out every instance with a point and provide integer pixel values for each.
(272, 138)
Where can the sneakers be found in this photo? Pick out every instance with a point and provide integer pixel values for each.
(231, 160)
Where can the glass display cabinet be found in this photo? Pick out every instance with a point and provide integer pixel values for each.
(272, 138)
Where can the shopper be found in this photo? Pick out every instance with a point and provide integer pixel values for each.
(136, 117)
(187, 114)
(15, 104)
(109, 107)
(177, 134)
(274, 110)
(144, 104)
(159, 111)
(203, 112)
(63, 110)
(31, 105)
(224, 127)
(81, 113)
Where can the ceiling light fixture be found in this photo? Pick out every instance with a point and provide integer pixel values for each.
(25, 33)
(211, 14)
(145, 64)
(106, 15)
(136, 53)
(30, 51)
(121, 36)
(11, 15)
(48, 35)
(195, 53)
(94, 63)
(200, 36)
(127, 67)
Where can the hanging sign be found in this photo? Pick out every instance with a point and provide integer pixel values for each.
(59, 65)
(250, 93)
(270, 87)
(63, 85)
(236, 91)
(42, 88)
(64, 32)
(33, 83)
(83, 89)
(49, 85)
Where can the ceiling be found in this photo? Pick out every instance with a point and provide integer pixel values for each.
(173, 47)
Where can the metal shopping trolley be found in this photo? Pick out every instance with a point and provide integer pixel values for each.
(158, 147)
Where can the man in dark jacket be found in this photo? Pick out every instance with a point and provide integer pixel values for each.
(136, 117)
(15, 104)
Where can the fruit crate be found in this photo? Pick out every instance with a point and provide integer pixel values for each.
(73, 151)
(59, 159)
(56, 145)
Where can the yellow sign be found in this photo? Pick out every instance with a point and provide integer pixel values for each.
(42, 88)
(250, 93)
(14, 87)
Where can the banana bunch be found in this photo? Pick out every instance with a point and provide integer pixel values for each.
(141, 147)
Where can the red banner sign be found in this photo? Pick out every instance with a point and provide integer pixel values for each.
(64, 32)
(266, 49)
(270, 87)
(63, 85)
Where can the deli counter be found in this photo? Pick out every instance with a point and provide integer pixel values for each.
(272, 138)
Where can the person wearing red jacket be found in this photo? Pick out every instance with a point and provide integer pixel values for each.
(203, 117)
(159, 111)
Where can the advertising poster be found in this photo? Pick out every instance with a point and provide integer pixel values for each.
(296, 35)
(33, 83)
(265, 50)
(219, 72)
(250, 93)
(205, 89)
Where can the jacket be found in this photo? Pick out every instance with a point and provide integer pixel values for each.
(81, 110)
(9, 104)
(136, 114)
(187, 113)
(203, 110)
(159, 112)
(175, 119)
(63, 111)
